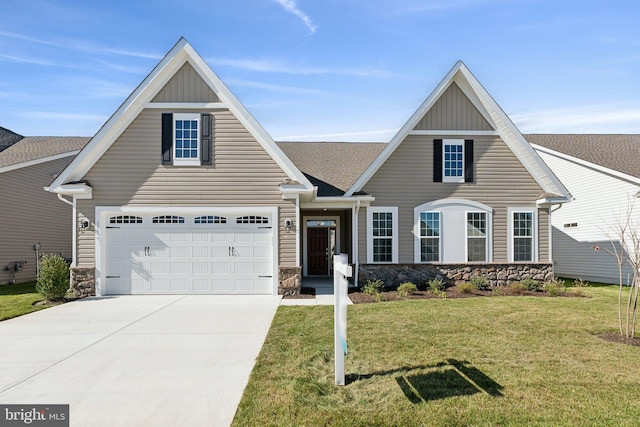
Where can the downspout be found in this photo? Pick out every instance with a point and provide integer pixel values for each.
(551, 232)
(73, 228)
(298, 226)
(355, 212)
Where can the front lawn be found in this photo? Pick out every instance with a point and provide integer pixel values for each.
(442, 362)
(19, 299)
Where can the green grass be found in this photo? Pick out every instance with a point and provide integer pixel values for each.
(507, 361)
(19, 299)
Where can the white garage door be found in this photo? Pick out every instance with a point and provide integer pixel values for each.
(188, 254)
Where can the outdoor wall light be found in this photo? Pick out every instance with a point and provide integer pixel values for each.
(84, 224)
(288, 224)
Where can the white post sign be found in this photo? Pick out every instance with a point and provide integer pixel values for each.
(341, 270)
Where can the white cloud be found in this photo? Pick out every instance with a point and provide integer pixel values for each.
(61, 116)
(584, 119)
(291, 7)
(278, 66)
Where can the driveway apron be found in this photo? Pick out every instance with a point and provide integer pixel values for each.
(154, 360)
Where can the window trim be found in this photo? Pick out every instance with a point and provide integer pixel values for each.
(394, 232)
(487, 219)
(178, 161)
(444, 206)
(418, 246)
(534, 233)
(452, 142)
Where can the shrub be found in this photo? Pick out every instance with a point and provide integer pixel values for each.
(579, 283)
(517, 287)
(406, 289)
(554, 287)
(466, 288)
(53, 281)
(532, 285)
(373, 287)
(480, 283)
(435, 285)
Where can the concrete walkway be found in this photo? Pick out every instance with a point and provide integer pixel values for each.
(137, 360)
(324, 292)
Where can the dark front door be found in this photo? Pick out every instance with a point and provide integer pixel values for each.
(317, 251)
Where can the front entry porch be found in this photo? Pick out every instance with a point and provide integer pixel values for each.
(325, 233)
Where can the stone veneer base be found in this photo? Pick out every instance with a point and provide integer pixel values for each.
(289, 280)
(498, 274)
(83, 282)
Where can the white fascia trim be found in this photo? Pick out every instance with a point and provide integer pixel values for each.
(186, 105)
(454, 132)
(337, 202)
(510, 212)
(125, 114)
(581, 162)
(394, 233)
(78, 191)
(510, 134)
(180, 54)
(243, 115)
(37, 161)
(405, 130)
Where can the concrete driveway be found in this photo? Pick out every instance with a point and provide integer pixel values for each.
(137, 360)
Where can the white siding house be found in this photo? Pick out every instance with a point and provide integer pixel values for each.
(585, 230)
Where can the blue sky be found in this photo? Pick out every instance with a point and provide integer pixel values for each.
(349, 70)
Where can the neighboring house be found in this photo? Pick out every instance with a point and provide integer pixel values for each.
(603, 175)
(182, 191)
(29, 216)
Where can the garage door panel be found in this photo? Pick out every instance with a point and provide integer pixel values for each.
(190, 257)
(200, 285)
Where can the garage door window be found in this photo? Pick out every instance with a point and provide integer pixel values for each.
(125, 219)
(252, 219)
(210, 219)
(168, 219)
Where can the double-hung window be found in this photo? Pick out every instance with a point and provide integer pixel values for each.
(382, 234)
(430, 236)
(523, 235)
(453, 160)
(186, 142)
(476, 236)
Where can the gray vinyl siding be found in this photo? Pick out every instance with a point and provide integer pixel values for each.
(186, 86)
(130, 173)
(31, 215)
(453, 111)
(405, 180)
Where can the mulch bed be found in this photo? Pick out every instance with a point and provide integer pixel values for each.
(358, 297)
(617, 338)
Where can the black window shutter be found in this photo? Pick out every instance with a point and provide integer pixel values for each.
(468, 160)
(206, 135)
(167, 138)
(437, 160)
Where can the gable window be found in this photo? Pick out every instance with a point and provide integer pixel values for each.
(522, 241)
(186, 139)
(453, 160)
(476, 236)
(382, 235)
(430, 236)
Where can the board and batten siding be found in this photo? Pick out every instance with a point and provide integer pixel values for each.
(130, 174)
(453, 110)
(186, 86)
(31, 215)
(405, 180)
(600, 204)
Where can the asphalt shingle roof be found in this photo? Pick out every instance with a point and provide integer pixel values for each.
(618, 152)
(332, 166)
(37, 147)
(8, 138)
